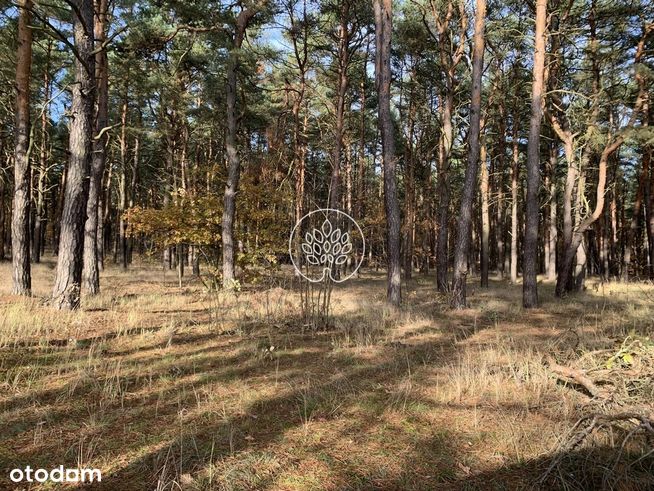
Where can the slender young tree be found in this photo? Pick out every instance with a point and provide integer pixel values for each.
(3, 188)
(299, 33)
(553, 232)
(484, 190)
(42, 176)
(68, 276)
(650, 219)
(91, 271)
(343, 61)
(515, 174)
(469, 186)
(530, 245)
(20, 223)
(383, 31)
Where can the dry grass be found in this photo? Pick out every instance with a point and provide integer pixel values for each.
(165, 389)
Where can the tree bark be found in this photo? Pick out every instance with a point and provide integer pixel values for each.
(383, 32)
(234, 163)
(91, 271)
(530, 246)
(465, 214)
(68, 276)
(20, 222)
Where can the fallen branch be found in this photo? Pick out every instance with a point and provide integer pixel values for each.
(579, 377)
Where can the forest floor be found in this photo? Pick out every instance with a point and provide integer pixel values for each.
(169, 388)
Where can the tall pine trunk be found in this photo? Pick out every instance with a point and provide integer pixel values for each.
(530, 246)
(233, 160)
(383, 31)
(469, 186)
(20, 223)
(91, 271)
(68, 276)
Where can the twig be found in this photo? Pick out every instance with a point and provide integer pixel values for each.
(598, 420)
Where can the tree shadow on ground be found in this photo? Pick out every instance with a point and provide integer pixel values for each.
(347, 396)
(348, 417)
